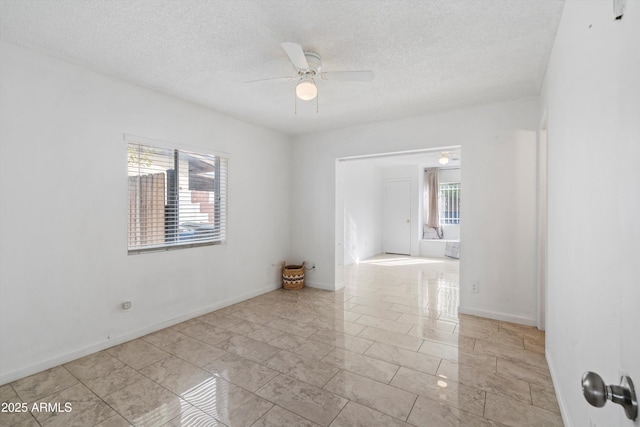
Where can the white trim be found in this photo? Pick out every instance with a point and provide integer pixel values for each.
(103, 345)
(563, 407)
(505, 317)
(323, 286)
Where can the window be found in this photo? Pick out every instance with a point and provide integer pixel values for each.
(449, 203)
(177, 198)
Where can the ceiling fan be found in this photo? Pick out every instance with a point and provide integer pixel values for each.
(309, 67)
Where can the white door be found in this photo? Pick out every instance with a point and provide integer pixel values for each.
(396, 233)
(629, 200)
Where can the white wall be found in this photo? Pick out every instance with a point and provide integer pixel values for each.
(64, 268)
(498, 230)
(362, 210)
(592, 99)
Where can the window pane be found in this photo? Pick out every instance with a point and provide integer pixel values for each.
(176, 198)
(450, 203)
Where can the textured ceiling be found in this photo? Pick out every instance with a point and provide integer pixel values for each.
(427, 55)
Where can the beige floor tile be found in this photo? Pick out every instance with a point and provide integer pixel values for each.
(415, 311)
(255, 331)
(137, 353)
(163, 337)
(306, 400)
(95, 365)
(427, 412)
(518, 414)
(441, 350)
(280, 417)
(248, 348)
(240, 371)
(115, 421)
(356, 415)
(375, 312)
(342, 340)
(146, 403)
(16, 414)
(194, 351)
(339, 325)
(78, 407)
(407, 358)
(228, 403)
(397, 340)
(510, 353)
(43, 384)
(362, 365)
(524, 371)
(219, 320)
(444, 391)
(370, 302)
(373, 394)
(428, 323)
(182, 325)
(304, 347)
(193, 417)
(544, 397)
(302, 368)
(299, 329)
(112, 381)
(493, 383)
(176, 375)
(7, 392)
(387, 325)
(206, 333)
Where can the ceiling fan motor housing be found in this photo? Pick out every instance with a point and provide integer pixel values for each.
(314, 61)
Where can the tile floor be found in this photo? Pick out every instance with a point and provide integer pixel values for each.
(388, 350)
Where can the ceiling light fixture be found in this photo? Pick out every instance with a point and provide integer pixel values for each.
(443, 158)
(306, 89)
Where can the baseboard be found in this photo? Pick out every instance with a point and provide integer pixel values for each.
(505, 317)
(559, 396)
(319, 285)
(103, 345)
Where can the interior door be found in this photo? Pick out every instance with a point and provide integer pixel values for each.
(396, 233)
(629, 200)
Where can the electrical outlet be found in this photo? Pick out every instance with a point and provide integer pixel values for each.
(475, 287)
(126, 305)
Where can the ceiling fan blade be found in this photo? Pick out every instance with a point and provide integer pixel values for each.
(296, 55)
(273, 79)
(354, 76)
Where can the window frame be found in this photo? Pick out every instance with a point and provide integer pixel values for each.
(220, 212)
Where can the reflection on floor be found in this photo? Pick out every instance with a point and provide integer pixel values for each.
(388, 350)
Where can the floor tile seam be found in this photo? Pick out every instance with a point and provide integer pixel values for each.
(276, 404)
(30, 404)
(350, 370)
(100, 399)
(367, 378)
(48, 395)
(528, 380)
(340, 412)
(550, 412)
(181, 399)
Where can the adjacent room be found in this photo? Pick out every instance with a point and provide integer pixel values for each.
(456, 180)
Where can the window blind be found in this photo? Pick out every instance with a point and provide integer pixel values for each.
(176, 198)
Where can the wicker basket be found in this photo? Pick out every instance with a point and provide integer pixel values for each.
(292, 276)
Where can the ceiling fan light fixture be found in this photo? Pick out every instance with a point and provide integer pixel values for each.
(306, 90)
(443, 159)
